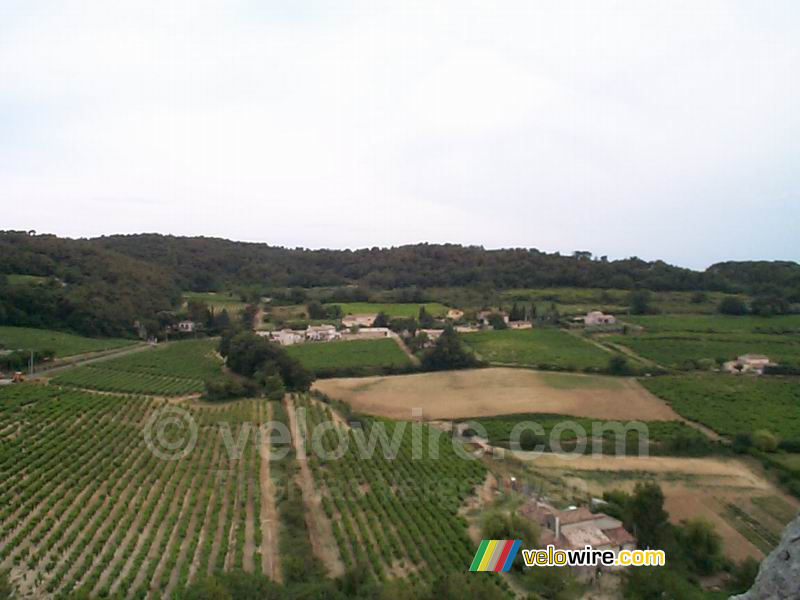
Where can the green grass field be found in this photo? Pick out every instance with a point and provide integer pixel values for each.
(731, 404)
(173, 369)
(392, 309)
(676, 341)
(542, 348)
(722, 324)
(615, 301)
(350, 354)
(17, 279)
(664, 437)
(218, 300)
(64, 344)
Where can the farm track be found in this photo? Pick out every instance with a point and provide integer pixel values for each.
(414, 360)
(270, 562)
(319, 527)
(90, 358)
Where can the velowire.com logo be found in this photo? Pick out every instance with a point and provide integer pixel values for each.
(495, 555)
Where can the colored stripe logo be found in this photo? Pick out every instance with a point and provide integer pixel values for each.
(495, 555)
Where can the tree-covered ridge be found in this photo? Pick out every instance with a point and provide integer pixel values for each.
(210, 263)
(102, 286)
(90, 289)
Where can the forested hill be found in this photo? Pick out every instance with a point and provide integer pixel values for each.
(211, 263)
(101, 286)
(83, 286)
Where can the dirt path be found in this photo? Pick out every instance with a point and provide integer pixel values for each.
(320, 533)
(631, 354)
(270, 563)
(89, 358)
(253, 487)
(414, 360)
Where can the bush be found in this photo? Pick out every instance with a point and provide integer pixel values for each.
(618, 365)
(226, 387)
(731, 305)
(765, 441)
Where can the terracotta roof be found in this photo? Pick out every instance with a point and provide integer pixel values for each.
(619, 536)
(585, 535)
(578, 515)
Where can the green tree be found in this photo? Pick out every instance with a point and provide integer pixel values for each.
(497, 321)
(197, 310)
(316, 310)
(207, 588)
(702, 545)
(667, 583)
(297, 295)
(647, 515)
(381, 320)
(448, 353)
(552, 583)
(425, 319)
(732, 305)
(743, 575)
(618, 365)
(639, 302)
(765, 441)
(500, 525)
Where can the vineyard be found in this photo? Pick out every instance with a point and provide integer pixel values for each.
(543, 348)
(87, 508)
(176, 369)
(63, 344)
(353, 354)
(395, 517)
(683, 341)
(731, 404)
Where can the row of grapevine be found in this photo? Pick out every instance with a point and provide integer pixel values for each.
(87, 508)
(394, 516)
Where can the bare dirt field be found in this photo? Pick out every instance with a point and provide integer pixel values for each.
(692, 487)
(498, 391)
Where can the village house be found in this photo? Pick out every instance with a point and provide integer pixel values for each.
(433, 334)
(186, 326)
(322, 333)
(577, 527)
(455, 314)
(284, 337)
(596, 317)
(365, 333)
(748, 363)
(366, 320)
(466, 329)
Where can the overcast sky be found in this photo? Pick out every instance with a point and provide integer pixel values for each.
(662, 130)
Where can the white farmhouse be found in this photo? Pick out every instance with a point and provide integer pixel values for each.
(322, 333)
(598, 318)
(186, 326)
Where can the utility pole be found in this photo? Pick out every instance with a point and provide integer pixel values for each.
(30, 365)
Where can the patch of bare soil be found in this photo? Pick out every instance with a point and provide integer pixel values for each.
(497, 391)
